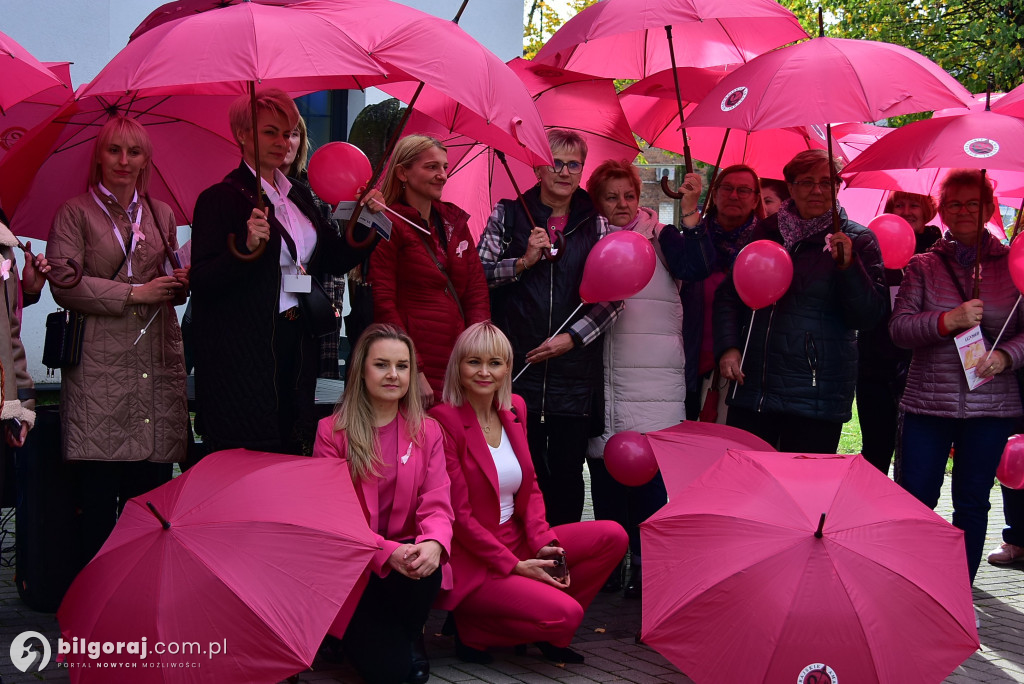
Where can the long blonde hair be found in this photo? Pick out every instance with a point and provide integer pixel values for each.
(406, 152)
(354, 413)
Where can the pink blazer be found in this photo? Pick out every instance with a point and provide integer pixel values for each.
(422, 507)
(476, 550)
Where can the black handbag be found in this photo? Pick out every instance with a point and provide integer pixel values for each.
(62, 346)
(319, 314)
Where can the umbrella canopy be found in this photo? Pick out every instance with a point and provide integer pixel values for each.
(626, 38)
(30, 112)
(1012, 103)
(321, 44)
(849, 599)
(565, 99)
(828, 80)
(259, 553)
(192, 149)
(684, 451)
(183, 8)
(915, 157)
(21, 74)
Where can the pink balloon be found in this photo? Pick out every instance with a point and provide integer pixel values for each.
(1011, 466)
(629, 458)
(895, 238)
(762, 273)
(337, 171)
(620, 265)
(1016, 264)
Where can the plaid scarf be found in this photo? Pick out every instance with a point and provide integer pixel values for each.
(728, 243)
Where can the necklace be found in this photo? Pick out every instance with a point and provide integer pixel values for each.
(486, 426)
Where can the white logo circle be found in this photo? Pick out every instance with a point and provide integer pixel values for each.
(981, 148)
(733, 98)
(25, 656)
(817, 673)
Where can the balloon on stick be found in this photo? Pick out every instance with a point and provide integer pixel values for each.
(895, 238)
(629, 459)
(337, 171)
(762, 273)
(618, 266)
(1011, 465)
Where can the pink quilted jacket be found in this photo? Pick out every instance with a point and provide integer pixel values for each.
(936, 385)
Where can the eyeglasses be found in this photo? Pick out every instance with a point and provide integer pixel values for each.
(743, 191)
(808, 185)
(574, 167)
(957, 207)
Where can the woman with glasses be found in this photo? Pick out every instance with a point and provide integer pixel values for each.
(882, 366)
(700, 255)
(533, 291)
(935, 304)
(426, 279)
(796, 384)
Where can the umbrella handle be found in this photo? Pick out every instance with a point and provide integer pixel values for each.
(51, 277)
(667, 189)
(350, 227)
(555, 252)
(251, 256)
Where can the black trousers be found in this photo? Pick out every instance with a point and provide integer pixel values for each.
(103, 488)
(628, 506)
(789, 433)
(559, 447)
(388, 619)
(878, 410)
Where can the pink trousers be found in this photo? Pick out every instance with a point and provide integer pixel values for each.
(512, 610)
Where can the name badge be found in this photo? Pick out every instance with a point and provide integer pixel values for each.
(296, 283)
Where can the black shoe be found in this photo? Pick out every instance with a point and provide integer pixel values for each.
(614, 582)
(420, 671)
(448, 628)
(558, 654)
(468, 654)
(634, 587)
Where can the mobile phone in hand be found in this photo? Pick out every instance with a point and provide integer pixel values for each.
(560, 570)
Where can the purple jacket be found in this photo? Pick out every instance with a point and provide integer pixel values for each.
(936, 384)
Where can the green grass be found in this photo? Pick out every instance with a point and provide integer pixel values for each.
(850, 442)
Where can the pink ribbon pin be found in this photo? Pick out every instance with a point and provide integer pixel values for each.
(5, 269)
(137, 232)
(461, 248)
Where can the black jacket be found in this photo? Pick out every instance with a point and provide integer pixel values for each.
(529, 310)
(802, 357)
(235, 313)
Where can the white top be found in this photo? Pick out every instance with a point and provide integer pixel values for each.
(510, 475)
(299, 227)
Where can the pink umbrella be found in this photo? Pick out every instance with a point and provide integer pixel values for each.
(28, 113)
(1012, 103)
(192, 147)
(630, 39)
(686, 450)
(564, 99)
(250, 555)
(774, 567)
(183, 8)
(21, 74)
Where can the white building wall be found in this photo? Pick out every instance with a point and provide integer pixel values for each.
(89, 33)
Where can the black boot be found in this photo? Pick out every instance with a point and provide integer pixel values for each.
(559, 654)
(466, 654)
(420, 671)
(614, 582)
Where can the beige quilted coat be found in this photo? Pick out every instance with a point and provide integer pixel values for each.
(124, 401)
(18, 391)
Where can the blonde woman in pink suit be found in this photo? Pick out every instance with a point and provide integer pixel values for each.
(516, 579)
(396, 457)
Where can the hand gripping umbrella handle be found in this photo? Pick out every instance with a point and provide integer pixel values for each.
(51, 277)
(251, 256)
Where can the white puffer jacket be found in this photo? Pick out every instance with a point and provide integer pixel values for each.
(644, 378)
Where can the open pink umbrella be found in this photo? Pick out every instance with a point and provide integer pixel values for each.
(192, 147)
(21, 74)
(33, 110)
(772, 567)
(631, 39)
(249, 555)
(684, 451)
(179, 9)
(1012, 103)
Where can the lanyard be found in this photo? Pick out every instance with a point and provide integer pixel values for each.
(136, 230)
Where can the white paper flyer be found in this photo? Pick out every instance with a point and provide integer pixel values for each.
(970, 344)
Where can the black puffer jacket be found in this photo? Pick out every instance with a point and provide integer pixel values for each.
(529, 310)
(802, 357)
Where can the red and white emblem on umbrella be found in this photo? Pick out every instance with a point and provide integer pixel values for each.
(817, 673)
(981, 148)
(733, 98)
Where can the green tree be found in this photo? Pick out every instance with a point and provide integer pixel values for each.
(541, 20)
(971, 39)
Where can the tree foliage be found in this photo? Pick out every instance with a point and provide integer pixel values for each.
(971, 39)
(541, 20)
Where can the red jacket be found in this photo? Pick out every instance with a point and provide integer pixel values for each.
(409, 291)
(476, 550)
